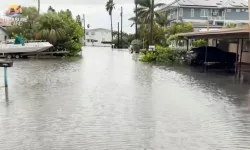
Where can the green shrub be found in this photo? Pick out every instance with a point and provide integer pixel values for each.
(199, 43)
(148, 57)
(163, 55)
(136, 45)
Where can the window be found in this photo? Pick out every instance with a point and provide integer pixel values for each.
(246, 43)
(92, 33)
(192, 12)
(87, 33)
(181, 12)
(204, 13)
(237, 10)
(88, 40)
(222, 13)
(229, 10)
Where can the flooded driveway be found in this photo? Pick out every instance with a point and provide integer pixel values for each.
(110, 101)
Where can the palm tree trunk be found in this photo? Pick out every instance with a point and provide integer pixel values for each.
(38, 8)
(136, 21)
(111, 20)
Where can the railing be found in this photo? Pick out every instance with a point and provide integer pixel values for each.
(216, 18)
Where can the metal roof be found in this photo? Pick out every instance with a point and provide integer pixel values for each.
(242, 32)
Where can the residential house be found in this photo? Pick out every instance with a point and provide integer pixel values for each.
(3, 34)
(212, 13)
(98, 37)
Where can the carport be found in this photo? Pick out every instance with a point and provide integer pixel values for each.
(239, 34)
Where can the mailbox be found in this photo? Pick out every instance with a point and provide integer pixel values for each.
(6, 63)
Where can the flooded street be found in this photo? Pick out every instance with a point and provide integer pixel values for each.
(110, 101)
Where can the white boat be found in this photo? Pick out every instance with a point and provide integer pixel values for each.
(28, 47)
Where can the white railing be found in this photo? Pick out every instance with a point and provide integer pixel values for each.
(216, 18)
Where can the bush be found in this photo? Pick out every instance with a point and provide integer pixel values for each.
(136, 45)
(148, 57)
(163, 55)
(199, 43)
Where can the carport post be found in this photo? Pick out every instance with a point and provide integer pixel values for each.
(237, 53)
(187, 44)
(241, 51)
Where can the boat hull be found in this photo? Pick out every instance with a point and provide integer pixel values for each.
(27, 48)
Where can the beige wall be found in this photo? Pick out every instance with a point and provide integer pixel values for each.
(245, 55)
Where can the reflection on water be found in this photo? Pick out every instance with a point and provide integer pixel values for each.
(107, 100)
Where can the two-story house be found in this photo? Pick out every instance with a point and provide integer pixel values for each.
(98, 37)
(215, 13)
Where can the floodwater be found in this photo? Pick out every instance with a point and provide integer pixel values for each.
(110, 101)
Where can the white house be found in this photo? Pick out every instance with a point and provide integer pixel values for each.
(3, 34)
(98, 37)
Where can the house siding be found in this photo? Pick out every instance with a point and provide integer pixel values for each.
(197, 13)
(233, 15)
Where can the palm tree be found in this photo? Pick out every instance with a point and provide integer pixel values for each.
(110, 6)
(162, 18)
(51, 28)
(144, 10)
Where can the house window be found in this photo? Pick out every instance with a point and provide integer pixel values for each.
(181, 12)
(237, 10)
(88, 40)
(87, 33)
(204, 12)
(223, 14)
(229, 10)
(92, 33)
(246, 47)
(192, 12)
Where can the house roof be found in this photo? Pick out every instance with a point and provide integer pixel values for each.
(242, 32)
(208, 3)
(2, 28)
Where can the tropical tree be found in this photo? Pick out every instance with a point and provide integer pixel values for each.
(110, 6)
(51, 9)
(162, 18)
(78, 20)
(51, 28)
(144, 10)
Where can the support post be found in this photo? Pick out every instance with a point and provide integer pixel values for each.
(241, 51)
(5, 77)
(237, 58)
(187, 44)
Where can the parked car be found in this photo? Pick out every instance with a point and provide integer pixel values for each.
(196, 56)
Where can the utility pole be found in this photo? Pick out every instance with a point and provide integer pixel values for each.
(121, 25)
(84, 28)
(151, 23)
(118, 35)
